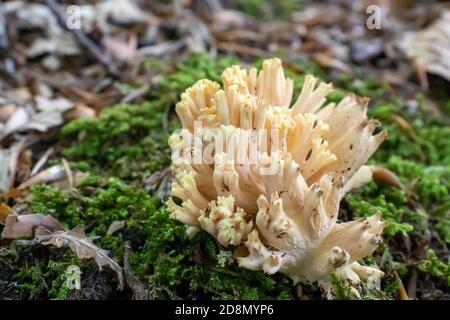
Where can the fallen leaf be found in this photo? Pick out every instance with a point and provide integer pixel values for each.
(61, 44)
(83, 247)
(159, 183)
(121, 50)
(59, 104)
(6, 111)
(54, 173)
(19, 95)
(384, 175)
(24, 226)
(429, 49)
(8, 165)
(42, 161)
(79, 111)
(5, 211)
(114, 227)
(12, 193)
(16, 121)
(118, 10)
(48, 114)
(404, 125)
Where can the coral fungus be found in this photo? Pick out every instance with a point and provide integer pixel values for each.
(276, 203)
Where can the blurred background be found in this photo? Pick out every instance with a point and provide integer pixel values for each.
(82, 44)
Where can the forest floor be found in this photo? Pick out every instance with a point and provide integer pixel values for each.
(86, 112)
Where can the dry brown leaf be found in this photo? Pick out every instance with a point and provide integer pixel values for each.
(120, 49)
(79, 111)
(23, 168)
(8, 165)
(16, 121)
(12, 193)
(19, 95)
(42, 161)
(384, 175)
(83, 247)
(59, 104)
(5, 211)
(114, 227)
(404, 125)
(47, 114)
(118, 10)
(24, 226)
(6, 111)
(429, 49)
(159, 183)
(51, 174)
(327, 61)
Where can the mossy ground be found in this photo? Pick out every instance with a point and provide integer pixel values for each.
(121, 148)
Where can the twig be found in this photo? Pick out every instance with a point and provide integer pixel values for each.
(240, 48)
(84, 40)
(4, 41)
(412, 285)
(401, 289)
(42, 161)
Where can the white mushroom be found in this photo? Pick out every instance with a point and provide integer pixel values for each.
(280, 210)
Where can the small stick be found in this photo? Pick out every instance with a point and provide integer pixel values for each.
(84, 40)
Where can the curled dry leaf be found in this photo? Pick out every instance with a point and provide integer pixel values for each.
(83, 247)
(25, 226)
(53, 105)
(79, 111)
(6, 111)
(48, 114)
(51, 174)
(8, 165)
(429, 49)
(387, 176)
(115, 226)
(16, 121)
(5, 211)
(159, 183)
(42, 161)
(403, 124)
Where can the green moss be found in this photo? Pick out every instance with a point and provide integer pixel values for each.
(341, 290)
(427, 140)
(435, 267)
(126, 141)
(429, 186)
(162, 252)
(391, 203)
(195, 67)
(269, 10)
(44, 278)
(189, 268)
(392, 288)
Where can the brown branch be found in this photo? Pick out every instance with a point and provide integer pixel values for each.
(84, 40)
